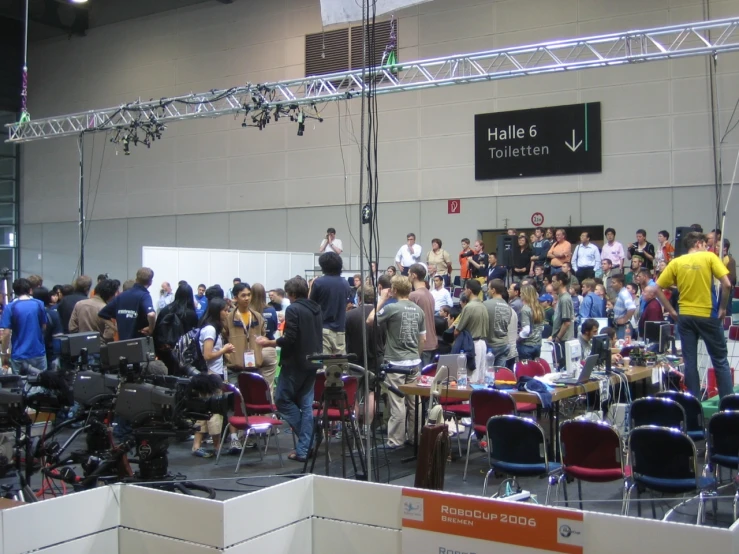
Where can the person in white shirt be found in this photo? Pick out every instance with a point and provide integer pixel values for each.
(614, 251)
(166, 297)
(408, 254)
(330, 243)
(440, 294)
(585, 258)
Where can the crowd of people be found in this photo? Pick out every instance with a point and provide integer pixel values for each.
(410, 313)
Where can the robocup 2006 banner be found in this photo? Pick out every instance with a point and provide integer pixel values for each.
(348, 11)
(449, 523)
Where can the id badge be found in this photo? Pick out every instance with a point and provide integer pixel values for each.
(249, 359)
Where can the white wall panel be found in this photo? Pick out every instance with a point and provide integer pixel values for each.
(558, 210)
(61, 252)
(224, 266)
(698, 205)
(693, 167)
(31, 240)
(625, 136)
(630, 171)
(627, 212)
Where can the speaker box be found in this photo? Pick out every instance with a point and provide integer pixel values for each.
(680, 233)
(505, 250)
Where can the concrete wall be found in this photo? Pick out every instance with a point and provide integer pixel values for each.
(211, 183)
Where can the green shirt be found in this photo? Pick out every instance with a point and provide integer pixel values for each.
(474, 318)
(405, 325)
(499, 317)
(564, 311)
(535, 329)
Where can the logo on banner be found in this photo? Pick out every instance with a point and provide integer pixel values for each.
(413, 508)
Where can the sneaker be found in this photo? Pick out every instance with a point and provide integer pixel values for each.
(202, 453)
(235, 447)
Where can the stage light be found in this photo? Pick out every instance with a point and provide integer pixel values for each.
(78, 1)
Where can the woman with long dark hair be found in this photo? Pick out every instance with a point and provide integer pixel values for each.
(213, 348)
(521, 258)
(173, 321)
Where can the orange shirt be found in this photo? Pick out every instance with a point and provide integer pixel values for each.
(464, 271)
(560, 249)
(667, 251)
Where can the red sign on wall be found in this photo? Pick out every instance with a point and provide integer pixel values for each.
(537, 219)
(454, 206)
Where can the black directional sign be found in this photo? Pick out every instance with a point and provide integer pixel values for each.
(559, 140)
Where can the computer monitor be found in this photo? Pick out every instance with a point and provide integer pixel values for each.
(573, 354)
(652, 330)
(666, 336)
(601, 347)
(602, 323)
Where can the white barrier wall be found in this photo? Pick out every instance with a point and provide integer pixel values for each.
(211, 267)
(333, 516)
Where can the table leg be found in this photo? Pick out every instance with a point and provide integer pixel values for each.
(554, 431)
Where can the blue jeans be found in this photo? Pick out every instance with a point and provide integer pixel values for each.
(294, 400)
(528, 352)
(20, 366)
(711, 330)
(555, 270)
(501, 355)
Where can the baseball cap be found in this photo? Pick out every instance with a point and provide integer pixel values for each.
(546, 298)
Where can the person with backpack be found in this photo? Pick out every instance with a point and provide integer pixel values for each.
(174, 321)
(212, 349)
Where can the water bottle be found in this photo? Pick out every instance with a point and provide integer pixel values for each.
(461, 369)
(489, 368)
(627, 335)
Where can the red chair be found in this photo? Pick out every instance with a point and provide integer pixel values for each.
(711, 386)
(351, 386)
(591, 452)
(258, 425)
(529, 368)
(545, 365)
(505, 374)
(734, 332)
(486, 403)
(257, 394)
(736, 292)
(727, 323)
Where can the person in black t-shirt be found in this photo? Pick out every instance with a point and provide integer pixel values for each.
(133, 310)
(643, 248)
(478, 262)
(332, 293)
(81, 291)
(184, 306)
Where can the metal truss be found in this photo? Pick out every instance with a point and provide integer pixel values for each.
(692, 39)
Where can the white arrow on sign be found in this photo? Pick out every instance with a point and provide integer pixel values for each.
(573, 146)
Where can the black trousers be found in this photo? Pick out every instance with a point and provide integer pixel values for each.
(583, 273)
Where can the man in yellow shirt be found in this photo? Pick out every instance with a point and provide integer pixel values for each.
(693, 274)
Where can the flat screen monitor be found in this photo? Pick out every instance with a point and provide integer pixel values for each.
(652, 330)
(601, 347)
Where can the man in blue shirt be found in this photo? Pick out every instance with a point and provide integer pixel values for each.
(332, 293)
(133, 310)
(23, 324)
(201, 302)
(592, 305)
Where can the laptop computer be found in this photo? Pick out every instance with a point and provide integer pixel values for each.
(450, 361)
(585, 373)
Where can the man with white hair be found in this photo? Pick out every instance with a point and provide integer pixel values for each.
(652, 309)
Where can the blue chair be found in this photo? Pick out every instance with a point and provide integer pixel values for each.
(723, 446)
(517, 448)
(665, 460)
(662, 412)
(695, 423)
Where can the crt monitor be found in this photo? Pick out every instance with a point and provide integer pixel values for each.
(602, 323)
(601, 347)
(573, 354)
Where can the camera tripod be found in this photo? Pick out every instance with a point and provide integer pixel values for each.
(333, 400)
